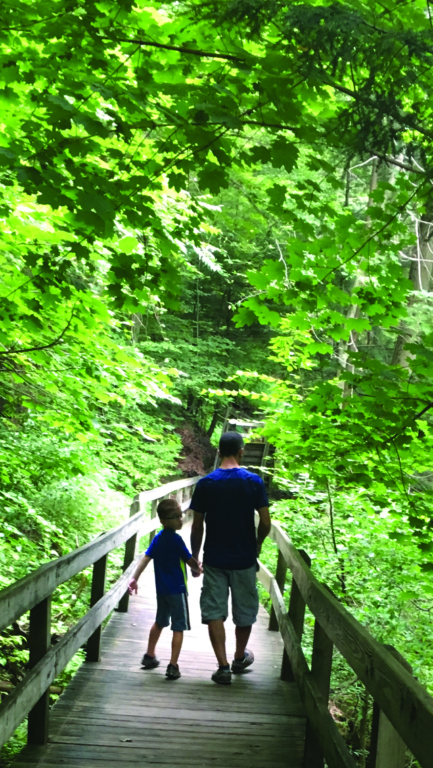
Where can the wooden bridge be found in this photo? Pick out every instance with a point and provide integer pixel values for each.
(275, 716)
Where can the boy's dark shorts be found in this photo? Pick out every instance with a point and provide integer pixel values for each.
(174, 607)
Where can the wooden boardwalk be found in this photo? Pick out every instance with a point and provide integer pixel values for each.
(115, 714)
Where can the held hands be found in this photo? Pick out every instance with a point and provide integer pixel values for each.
(197, 570)
(133, 586)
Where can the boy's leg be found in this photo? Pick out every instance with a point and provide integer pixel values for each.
(176, 645)
(154, 635)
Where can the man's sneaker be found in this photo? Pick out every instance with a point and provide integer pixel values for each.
(240, 665)
(173, 672)
(223, 676)
(149, 662)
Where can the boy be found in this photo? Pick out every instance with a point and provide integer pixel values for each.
(169, 554)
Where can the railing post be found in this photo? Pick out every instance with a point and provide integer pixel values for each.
(321, 667)
(153, 515)
(280, 578)
(39, 644)
(387, 748)
(130, 554)
(93, 648)
(296, 615)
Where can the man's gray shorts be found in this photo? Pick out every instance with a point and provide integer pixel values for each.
(215, 594)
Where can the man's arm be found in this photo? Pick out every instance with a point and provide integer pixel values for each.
(197, 530)
(263, 528)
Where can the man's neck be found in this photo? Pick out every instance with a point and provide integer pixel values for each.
(229, 462)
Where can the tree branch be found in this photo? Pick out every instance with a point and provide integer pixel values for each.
(263, 124)
(404, 166)
(424, 410)
(378, 231)
(46, 346)
(180, 49)
(356, 96)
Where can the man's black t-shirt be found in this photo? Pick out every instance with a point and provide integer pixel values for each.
(228, 498)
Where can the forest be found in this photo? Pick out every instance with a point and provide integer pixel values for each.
(209, 206)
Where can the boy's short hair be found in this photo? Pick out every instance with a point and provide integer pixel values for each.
(166, 507)
(230, 444)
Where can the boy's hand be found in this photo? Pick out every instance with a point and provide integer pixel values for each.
(196, 567)
(133, 586)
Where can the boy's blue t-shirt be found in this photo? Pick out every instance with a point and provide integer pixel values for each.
(228, 498)
(169, 555)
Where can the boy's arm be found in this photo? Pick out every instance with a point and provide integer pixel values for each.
(195, 566)
(144, 562)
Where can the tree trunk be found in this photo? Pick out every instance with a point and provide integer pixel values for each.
(213, 424)
(354, 311)
(137, 323)
(420, 275)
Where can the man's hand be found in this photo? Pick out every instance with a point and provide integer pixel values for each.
(133, 586)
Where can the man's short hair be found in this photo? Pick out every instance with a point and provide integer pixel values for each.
(230, 444)
(166, 508)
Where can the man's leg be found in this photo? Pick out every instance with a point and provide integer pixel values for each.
(245, 604)
(217, 636)
(242, 637)
(154, 635)
(176, 645)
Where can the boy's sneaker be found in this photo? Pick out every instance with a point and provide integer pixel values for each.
(173, 672)
(149, 662)
(240, 665)
(223, 676)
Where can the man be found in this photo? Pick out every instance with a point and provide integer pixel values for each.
(226, 499)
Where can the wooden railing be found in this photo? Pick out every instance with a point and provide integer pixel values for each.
(402, 710)
(33, 593)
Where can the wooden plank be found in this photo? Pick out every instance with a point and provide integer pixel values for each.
(15, 707)
(404, 701)
(222, 716)
(154, 727)
(246, 423)
(93, 648)
(316, 706)
(165, 490)
(153, 515)
(39, 643)
(127, 754)
(24, 594)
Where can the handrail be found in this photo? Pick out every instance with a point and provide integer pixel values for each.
(33, 593)
(24, 594)
(404, 702)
